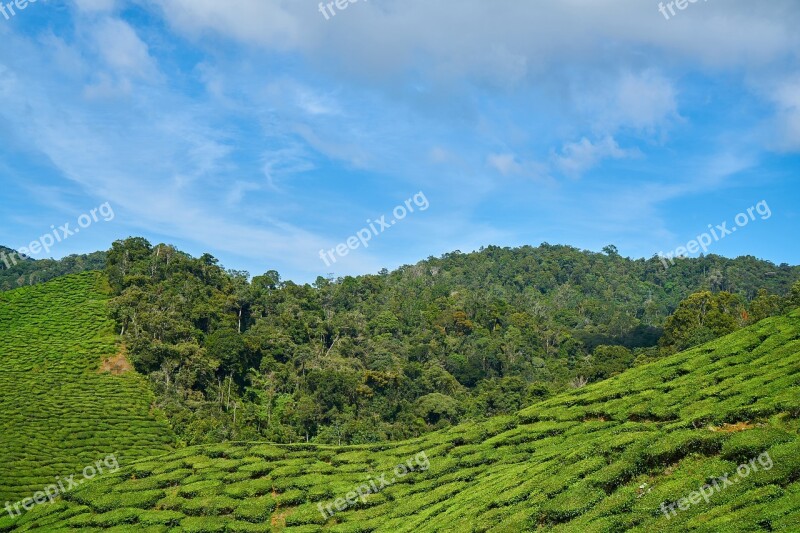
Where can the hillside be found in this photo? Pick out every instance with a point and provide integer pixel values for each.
(601, 458)
(17, 271)
(60, 412)
(386, 357)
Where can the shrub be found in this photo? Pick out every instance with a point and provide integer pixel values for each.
(256, 509)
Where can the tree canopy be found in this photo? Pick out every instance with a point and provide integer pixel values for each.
(393, 355)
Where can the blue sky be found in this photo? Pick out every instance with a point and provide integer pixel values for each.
(262, 133)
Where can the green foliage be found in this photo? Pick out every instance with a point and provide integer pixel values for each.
(746, 445)
(702, 317)
(385, 357)
(600, 458)
(435, 408)
(17, 271)
(793, 300)
(606, 361)
(61, 413)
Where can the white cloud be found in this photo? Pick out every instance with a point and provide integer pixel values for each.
(505, 164)
(441, 155)
(268, 23)
(122, 49)
(787, 101)
(107, 88)
(285, 162)
(431, 55)
(578, 157)
(347, 151)
(643, 101)
(512, 38)
(508, 164)
(238, 190)
(159, 159)
(411, 91)
(288, 92)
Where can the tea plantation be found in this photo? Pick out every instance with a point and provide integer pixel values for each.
(60, 413)
(602, 458)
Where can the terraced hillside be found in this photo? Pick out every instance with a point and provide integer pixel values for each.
(60, 412)
(599, 459)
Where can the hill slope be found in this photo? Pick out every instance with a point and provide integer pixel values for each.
(59, 412)
(600, 458)
(393, 356)
(17, 271)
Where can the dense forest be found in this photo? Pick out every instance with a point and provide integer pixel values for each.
(396, 354)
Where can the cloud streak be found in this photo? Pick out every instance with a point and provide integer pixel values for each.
(263, 133)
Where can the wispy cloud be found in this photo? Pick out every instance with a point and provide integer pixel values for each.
(262, 133)
(578, 157)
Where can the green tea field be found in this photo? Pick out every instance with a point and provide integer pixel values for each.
(627, 454)
(392, 266)
(60, 410)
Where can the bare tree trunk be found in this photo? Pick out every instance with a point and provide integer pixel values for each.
(332, 345)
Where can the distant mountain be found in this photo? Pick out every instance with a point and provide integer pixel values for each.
(18, 271)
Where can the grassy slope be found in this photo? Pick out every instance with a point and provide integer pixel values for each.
(601, 458)
(59, 414)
